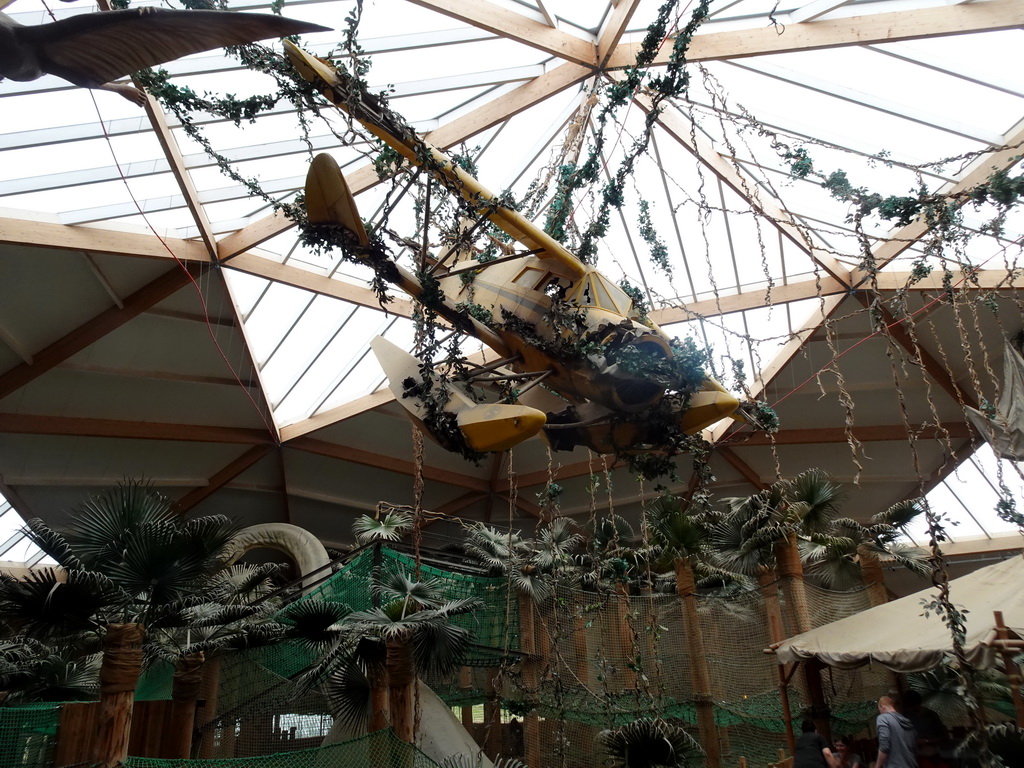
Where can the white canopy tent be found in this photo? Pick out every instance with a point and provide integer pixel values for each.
(903, 637)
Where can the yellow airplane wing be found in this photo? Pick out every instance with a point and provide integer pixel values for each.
(405, 142)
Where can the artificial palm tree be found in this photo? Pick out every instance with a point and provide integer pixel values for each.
(528, 565)
(684, 541)
(848, 553)
(128, 561)
(409, 634)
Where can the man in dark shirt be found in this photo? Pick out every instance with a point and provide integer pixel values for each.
(811, 749)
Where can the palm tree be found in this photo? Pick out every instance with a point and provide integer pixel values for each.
(758, 535)
(684, 540)
(848, 553)
(528, 565)
(387, 647)
(129, 561)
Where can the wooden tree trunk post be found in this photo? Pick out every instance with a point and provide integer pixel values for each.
(185, 686)
(872, 575)
(119, 674)
(208, 695)
(380, 705)
(528, 645)
(625, 635)
(492, 717)
(700, 678)
(466, 684)
(791, 573)
(401, 693)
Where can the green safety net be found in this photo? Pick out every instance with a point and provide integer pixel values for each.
(379, 750)
(28, 735)
(601, 660)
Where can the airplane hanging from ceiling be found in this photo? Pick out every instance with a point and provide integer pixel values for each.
(621, 385)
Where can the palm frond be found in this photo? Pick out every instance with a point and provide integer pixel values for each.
(648, 743)
(816, 498)
(348, 694)
(314, 621)
(52, 543)
(901, 513)
(99, 525)
(392, 527)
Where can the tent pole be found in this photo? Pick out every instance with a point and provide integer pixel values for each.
(784, 697)
(1012, 670)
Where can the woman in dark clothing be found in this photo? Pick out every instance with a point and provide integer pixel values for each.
(812, 750)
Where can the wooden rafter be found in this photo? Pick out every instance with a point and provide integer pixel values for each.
(748, 472)
(977, 172)
(98, 327)
(829, 306)
(515, 26)
(388, 463)
(297, 277)
(936, 370)
(224, 476)
(31, 424)
(62, 237)
(615, 26)
(177, 164)
(865, 434)
(460, 129)
(992, 15)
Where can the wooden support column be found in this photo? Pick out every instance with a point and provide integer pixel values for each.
(208, 697)
(119, 674)
(185, 686)
(625, 634)
(872, 575)
(700, 678)
(775, 631)
(492, 717)
(531, 678)
(1012, 670)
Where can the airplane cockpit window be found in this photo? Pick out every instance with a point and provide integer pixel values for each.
(531, 277)
(596, 291)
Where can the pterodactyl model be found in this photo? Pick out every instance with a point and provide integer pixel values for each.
(1004, 428)
(92, 49)
(611, 368)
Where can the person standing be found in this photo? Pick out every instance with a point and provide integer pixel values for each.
(811, 749)
(897, 741)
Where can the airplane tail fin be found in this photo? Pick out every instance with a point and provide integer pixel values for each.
(329, 200)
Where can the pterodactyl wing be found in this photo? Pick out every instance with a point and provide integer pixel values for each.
(96, 48)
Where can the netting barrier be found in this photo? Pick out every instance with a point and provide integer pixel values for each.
(596, 659)
(28, 735)
(381, 750)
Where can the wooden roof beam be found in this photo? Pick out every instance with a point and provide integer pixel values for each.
(515, 26)
(67, 426)
(869, 29)
(46, 234)
(616, 24)
(898, 241)
(388, 463)
(98, 327)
